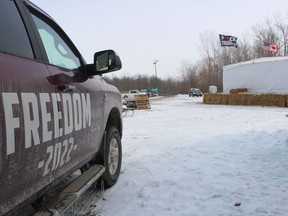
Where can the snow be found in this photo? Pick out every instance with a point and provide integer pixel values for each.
(183, 157)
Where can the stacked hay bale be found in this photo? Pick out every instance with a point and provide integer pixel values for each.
(242, 97)
(239, 96)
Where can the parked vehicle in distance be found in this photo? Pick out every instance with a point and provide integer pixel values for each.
(131, 94)
(57, 113)
(195, 92)
(154, 92)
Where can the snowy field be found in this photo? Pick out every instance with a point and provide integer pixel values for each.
(185, 158)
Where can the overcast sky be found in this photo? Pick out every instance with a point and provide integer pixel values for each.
(148, 30)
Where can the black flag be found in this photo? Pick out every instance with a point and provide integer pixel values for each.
(228, 40)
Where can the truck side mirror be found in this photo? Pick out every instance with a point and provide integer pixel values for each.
(106, 61)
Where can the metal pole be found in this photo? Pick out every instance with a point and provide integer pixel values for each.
(155, 63)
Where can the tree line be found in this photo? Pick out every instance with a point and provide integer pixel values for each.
(209, 69)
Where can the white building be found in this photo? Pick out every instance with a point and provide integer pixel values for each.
(264, 75)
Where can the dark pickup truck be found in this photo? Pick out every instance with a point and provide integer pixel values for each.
(57, 113)
(195, 92)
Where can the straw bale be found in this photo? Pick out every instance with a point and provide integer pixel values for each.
(241, 99)
(246, 99)
(215, 98)
(279, 100)
(238, 90)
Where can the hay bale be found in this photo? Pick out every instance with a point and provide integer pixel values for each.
(238, 90)
(258, 99)
(241, 99)
(246, 99)
(279, 100)
(215, 98)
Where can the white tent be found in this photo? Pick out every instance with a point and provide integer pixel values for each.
(264, 75)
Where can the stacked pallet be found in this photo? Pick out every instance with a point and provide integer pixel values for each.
(142, 102)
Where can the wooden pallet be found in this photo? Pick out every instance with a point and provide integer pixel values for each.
(142, 102)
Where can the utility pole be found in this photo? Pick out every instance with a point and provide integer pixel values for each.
(155, 63)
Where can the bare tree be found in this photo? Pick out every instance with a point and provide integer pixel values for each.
(265, 32)
(188, 75)
(281, 24)
(210, 67)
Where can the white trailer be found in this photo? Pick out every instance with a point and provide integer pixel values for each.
(263, 75)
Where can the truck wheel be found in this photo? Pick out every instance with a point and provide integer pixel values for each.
(112, 156)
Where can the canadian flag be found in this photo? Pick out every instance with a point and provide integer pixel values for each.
(270, 47)
(274, 48)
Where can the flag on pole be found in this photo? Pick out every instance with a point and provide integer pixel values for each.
(228, 40)
(270, 47)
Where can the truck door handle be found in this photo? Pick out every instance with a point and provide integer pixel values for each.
(68, 88)
(105, 97)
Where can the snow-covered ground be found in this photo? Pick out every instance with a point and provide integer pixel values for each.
(186, 158)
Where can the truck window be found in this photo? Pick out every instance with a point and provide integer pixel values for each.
(57, 50)
(13, 38)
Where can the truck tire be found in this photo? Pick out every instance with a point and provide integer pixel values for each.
(112, 156)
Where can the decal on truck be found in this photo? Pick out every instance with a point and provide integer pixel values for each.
(41, 116)
(56, 156)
